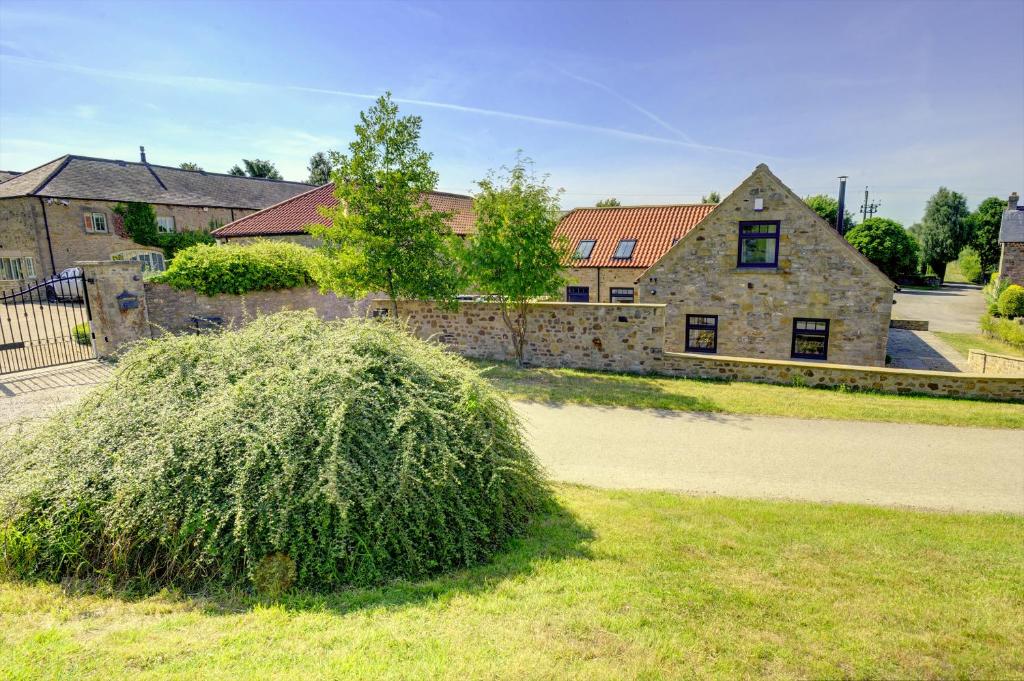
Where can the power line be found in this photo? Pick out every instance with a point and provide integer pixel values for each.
(869, 209)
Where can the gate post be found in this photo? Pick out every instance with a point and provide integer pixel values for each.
(117, 301)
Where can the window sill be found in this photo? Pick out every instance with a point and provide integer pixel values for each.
(760, 270)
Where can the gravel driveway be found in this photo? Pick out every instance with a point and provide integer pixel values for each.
(954, 307)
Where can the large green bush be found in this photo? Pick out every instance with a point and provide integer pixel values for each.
(328, 453)
(262, 265)
(1011, 301)
(969, 263)
(885, 243)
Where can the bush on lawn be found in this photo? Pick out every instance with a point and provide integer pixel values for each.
(969, 263)
(294, 450)
(1007, 330)
(263, 265)
(1011, 301)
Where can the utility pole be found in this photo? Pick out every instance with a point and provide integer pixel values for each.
(841, 216)
(868, 209)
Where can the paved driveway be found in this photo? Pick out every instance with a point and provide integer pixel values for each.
(954, 307)
(935, 467)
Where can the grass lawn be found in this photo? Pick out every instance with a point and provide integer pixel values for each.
(962, 342)
(607, 389)
(613, 585)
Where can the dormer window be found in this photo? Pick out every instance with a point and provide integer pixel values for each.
(584, 249)
(624, 251)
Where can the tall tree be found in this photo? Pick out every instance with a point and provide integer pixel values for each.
(515, 254)
(712, 197)
(319, 169)
(885, 243)
(383, 235)
(189, 165)
(985, 232)
(256, 167)
(946, 229)
(608, 203)
(828, 208)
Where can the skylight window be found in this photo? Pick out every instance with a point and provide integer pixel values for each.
(624, 251)
(584, 249)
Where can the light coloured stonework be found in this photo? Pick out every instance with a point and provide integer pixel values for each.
(819, 276)
(1011, 262)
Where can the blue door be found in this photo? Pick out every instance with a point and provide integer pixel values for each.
(577, 294)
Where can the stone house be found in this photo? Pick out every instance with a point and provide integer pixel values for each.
(62, 212)
(763, 276)
(1011, 241)
(288, 220)
(612, 247)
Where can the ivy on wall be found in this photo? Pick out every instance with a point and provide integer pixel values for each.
(138, 222)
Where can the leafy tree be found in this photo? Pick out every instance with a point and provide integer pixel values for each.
(985, 227)
(189, 165)
(383, 235)
(713, 197)
(319, 169)
(608, 203)
(885, 243)
(969, 263)
(256, 167)
(828, 209)
(946, 229)
(515, 254)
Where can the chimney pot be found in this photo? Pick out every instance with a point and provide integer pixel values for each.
(1012, 203)
(142, 153)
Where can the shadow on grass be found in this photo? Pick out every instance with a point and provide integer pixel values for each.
(553, 536)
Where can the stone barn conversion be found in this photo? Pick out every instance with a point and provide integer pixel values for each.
(1011, 241)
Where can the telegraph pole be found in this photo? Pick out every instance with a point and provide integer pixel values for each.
(868, 209)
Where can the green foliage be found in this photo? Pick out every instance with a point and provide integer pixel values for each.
(383, 235)
(274, 575)
(608, 203)
(969, 263)
(515, 254)
(82, 333)
(1006, 330)
(140, 224)
(993, 289)
(189, 165)
(256, 167)
(885, 243)
(945, 229)
(263, 265)
(828, 209)
(319, 169)
(356, 451)
(985, 222)
(712, 197)
(1011, 301)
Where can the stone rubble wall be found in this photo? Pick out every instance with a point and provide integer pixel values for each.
(909, 324)
(988, 363)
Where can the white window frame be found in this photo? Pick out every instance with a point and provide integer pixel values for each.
(152, 261)
(29, 266)
(17, 268)
(162, 225)
(103, 218)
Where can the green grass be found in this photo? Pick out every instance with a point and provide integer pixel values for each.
(614, 585)
(962, 342)
(659, 392)
(954, 275)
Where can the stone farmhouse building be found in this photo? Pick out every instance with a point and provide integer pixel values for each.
(62, 212)
(1011, 241)
(289, 219)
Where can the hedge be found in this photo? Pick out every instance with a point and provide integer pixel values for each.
(263, 265)
(1007, 330)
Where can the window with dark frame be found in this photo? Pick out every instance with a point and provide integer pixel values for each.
(621, 295)
(584, 249)
(702, 333)
(810, 338)
(758, 244)
(577, 294)
(624, 251)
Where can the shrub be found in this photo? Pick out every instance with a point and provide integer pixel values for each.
(970, 265)
(328, 453)
(210, 270)
(1006, 330)
(1011, 301)
(885, 243)
(82, 334)
(994, 288)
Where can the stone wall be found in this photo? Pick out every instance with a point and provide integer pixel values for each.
(117, 302)
(19, 238)
(909, 324)
(981, 362)
(818, 276)
(174, 311)
(1011, 262)
(601, 280)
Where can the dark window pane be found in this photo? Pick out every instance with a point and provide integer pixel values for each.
(584, 249)
(758, 251)
(624, 251)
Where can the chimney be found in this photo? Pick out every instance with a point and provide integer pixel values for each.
(841, 214)
(1012, 203)
(142, 154)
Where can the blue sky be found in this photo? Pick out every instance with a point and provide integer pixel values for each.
(651, 103)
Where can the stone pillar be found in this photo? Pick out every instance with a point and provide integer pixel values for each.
(117, 302)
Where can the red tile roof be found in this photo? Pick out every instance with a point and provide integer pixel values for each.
(292, 215)
(655, 229)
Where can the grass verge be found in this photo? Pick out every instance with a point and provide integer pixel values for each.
(962, 342)
(614, 585)
(683, 394)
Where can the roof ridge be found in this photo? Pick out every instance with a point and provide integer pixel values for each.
(118, 161)
(645, 205)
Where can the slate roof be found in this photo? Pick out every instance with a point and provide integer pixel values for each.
(8, 174)
(83, 177)
(655, 229)
(292, 215)
(1011, 228)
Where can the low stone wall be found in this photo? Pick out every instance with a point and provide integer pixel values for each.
(981, 362)
(604, 336)
(909, 324)
(171, 310)
(897, 381)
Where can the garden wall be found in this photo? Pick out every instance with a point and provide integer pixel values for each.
(981, 362)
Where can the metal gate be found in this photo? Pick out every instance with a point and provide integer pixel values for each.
(46, 324)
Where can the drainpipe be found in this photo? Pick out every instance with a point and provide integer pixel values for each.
(599, 284)
(49, 244)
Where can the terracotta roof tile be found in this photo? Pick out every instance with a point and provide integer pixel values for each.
(655, 229)
(292, 215)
